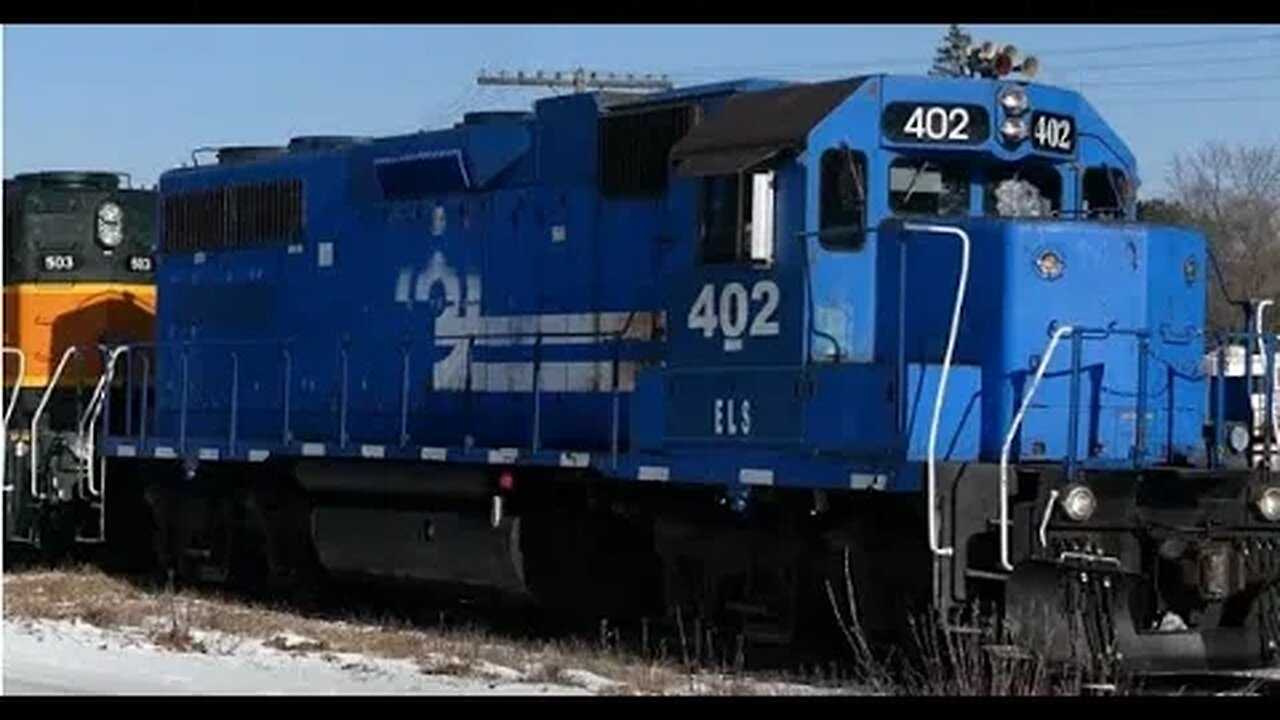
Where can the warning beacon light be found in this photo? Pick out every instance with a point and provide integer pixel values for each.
(987, 61)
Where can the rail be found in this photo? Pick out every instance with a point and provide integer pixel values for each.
(1267, 343)
(86, 431)
(1056, 338)
(9, 407)
(1044, 521)
(538, 340)
(1077, 335)
(12, 403)
(961, 290)
(184, 350)
(1259, 313)
(35, 420)
(1143, 338)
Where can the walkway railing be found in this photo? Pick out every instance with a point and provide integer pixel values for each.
(232, 352)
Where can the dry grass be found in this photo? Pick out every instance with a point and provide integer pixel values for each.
(982, 658)
(174, 620)
(944, 663)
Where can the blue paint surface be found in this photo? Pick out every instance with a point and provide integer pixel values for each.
(472, 288)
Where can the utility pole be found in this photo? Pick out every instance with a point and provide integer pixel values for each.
(580, 80)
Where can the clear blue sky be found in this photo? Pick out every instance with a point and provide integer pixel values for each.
(138, 99)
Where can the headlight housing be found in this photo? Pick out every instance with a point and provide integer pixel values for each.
(1014, 129)
(1079, 503)
(1014, 100)
(1239, 439)
(110, 225)
(1268, 503)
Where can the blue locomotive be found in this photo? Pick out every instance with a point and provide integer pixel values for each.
(708, 352)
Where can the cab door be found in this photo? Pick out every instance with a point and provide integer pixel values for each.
(737, 314)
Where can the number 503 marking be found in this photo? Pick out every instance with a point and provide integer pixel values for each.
(730, 312)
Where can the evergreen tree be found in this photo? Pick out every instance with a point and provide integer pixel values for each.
(1164, 212)
(949, 58)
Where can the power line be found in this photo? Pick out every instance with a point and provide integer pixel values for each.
(1101, 67)
(1051, 70)
(916, 61)
(1222, 79)
(1188, 100)
(1066, 76)
(1163, 44)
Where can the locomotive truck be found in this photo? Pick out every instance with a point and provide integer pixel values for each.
(706, 352)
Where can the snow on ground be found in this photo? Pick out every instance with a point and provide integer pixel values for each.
(61, 657)
(1266, 674)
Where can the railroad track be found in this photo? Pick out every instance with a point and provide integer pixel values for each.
(690, 642)
(1259, 683)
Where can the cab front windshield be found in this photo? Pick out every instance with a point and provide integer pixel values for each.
(947, 187)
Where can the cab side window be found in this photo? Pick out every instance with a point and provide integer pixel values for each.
(738, 217)
(1106, 193)
(842, 200)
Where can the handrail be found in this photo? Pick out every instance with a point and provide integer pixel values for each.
(537, 395)
(235, 401)
(1057, 336)
(143, 401)
(17, 385)
(92, 413)
(99, 390)
(615, 404)
(961, 288)
(11, 405)
(342, 407)
(535, 340)
(1048, 515)
(35, 420)
(1269, 403)
(1246, 339)
(404, 395)
(1262, 349)
(287, 435)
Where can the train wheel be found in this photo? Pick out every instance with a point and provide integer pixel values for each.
(164, 541)
(279, 557)
(55, 530)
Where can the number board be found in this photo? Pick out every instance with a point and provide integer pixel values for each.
(58, 262)
(936, 123)
(1053, 133)
(140, 263)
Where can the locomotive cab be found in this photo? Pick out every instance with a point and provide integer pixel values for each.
(943, 282)
(813, 216)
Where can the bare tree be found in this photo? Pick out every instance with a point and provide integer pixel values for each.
(1232, 194)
